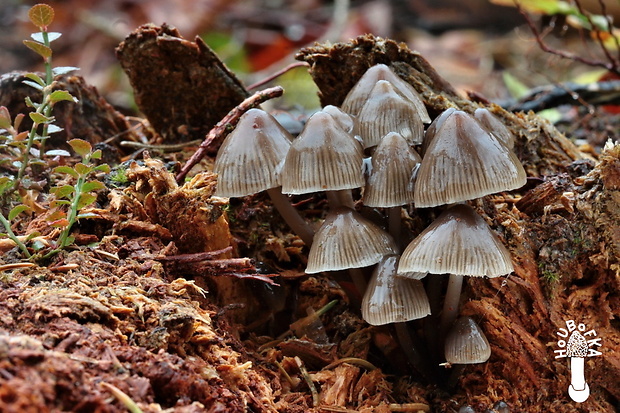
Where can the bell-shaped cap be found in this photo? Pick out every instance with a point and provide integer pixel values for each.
(466, 343)
(348, 240)
(432, 129)
(358, 95)
(391, 299)
(251, 156)
(390, 182)
(387, 111)
(342, 118)
(495, 126)
(324, 157)
(464, 161)
(458, 242)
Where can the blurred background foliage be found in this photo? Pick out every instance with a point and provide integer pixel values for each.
(475, 44)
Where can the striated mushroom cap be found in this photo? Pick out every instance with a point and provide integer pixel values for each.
(458, 242)
(390, 182)
(347, 240)
(466, 343)
(359, 94)
(388, 111)
(391, 299)
(251, 156)
(323, 157)
(495, 126)
(464, 161)
(343, 119)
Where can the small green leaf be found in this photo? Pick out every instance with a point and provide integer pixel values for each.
(36, 78)
(32, 235)
(30, 103)
(54, 129)
(61, 70)
(33, 84)
(85, 200)
(62, 191)
(97, 154)
(92, 186)
(88, 215)
(57, 202)
(17, 210)
(41, 49)
(59, 95)
(81, 147)
(51, 36)
(41, 15)
(57, 152)
(67, 170)
(82, 169)
(39, 118)
(68, 241)
(102, 168)
(5, 118)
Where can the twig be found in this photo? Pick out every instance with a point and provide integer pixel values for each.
(277, 74)
(226, 124)
(308, 380)
(545, 97)
(596, 63)
(597, 33)
(201, 256)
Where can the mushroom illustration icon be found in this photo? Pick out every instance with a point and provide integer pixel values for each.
(576, 343)
(577, 350)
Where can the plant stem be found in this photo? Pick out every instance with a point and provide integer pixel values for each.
(13, 237)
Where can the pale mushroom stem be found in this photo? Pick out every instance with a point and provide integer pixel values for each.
(450, 304)
(291, 216)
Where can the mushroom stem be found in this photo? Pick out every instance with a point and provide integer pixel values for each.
(578, 390)
(359, 280)
(450, 304)
(341, 197)
(291, 216)
(394, 223)
(412, 353)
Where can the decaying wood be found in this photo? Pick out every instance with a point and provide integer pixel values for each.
(182, 87)
(91, 118)
(564, 236)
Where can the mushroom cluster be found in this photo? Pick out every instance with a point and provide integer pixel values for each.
(376, 144)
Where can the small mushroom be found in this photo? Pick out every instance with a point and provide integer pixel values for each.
(495, 126)
(348, 240)
(464, 161)
(391, 299)
(359, 94)
(466, 343)
(249, 161)
(386, 111)
(389, 183)
(324, 157)
(458, 242)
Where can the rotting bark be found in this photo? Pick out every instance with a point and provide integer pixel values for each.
(182, 87)
(115, 313)
(91, 118)
(569, 229)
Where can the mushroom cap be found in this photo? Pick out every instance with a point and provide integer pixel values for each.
(464, 161)
(386, 111)
(390, 182)
(458, 242)
(495, 126)
(251, 156)
(391, 299)
(466, 343)
(343, 119)
(359, 94)
(323, 157)
(347, 240)
(432, 129)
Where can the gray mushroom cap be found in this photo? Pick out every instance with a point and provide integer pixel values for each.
(466, 343)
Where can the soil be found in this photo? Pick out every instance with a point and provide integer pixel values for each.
(187, 302)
